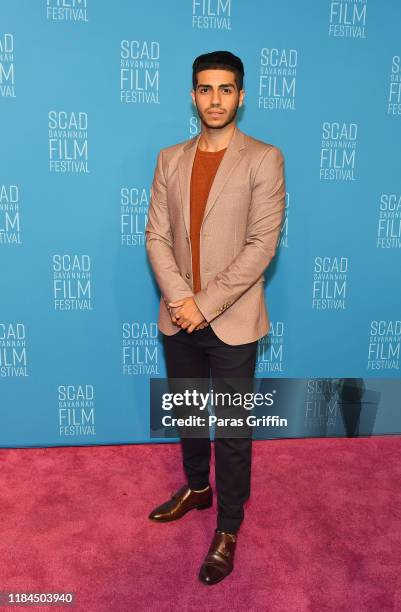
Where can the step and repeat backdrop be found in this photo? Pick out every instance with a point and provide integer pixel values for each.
(90, 91)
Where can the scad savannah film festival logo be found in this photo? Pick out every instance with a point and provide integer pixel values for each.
(394, 95)
(384, 345)
(139, 71)
(277, 79)
(66, 10)
(9, 215)
(329, 283)
(211, 14)
(72, 282)
(348, 19)
(140, 348)
(389, 222)
(321, 404)
(7, 74)
(338, 150)
(13, 360)
(134, 205)
(76, 410)
(68, 142)
(270, 349)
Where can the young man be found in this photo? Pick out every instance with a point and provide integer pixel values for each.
(217, 203)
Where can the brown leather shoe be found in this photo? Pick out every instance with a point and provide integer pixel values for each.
(181, 502)
(219, 561)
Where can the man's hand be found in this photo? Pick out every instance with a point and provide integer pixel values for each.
(172, 312)
(187, 315)
(202, 325)
(175, 322)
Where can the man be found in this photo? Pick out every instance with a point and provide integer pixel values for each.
(217, 203)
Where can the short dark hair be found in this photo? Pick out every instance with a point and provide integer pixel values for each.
(219, 60)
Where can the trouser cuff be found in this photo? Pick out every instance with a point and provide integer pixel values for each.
(197, 485)
(227, 525)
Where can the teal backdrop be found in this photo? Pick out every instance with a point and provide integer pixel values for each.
(90, 91)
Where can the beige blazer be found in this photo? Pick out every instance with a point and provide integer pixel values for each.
(238, 236)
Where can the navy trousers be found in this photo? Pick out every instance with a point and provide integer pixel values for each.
(201, 354)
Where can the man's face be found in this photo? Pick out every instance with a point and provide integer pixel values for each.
(216, 97)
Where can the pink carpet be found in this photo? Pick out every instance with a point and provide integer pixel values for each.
(322, 530)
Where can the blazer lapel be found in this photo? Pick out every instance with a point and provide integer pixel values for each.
(185, 164)
(230, 159)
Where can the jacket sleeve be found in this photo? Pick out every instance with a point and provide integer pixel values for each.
(263, 229)
(159, 244)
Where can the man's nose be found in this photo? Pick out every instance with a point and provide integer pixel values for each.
(216, 98)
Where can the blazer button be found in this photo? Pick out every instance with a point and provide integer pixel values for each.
(188, 275)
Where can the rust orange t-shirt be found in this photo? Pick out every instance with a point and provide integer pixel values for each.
(204, 170)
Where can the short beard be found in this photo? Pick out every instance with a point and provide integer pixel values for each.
(230, 119)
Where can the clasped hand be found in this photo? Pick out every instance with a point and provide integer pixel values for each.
(187, 315)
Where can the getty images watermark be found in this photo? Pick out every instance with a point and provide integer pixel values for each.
(198, 400)
(274, 408)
